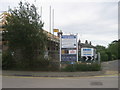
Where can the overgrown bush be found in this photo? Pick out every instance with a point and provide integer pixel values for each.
(69, 68)
(7, 60)
(104, 56)
(82, 67)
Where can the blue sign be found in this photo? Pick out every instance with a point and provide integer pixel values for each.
(68, 58)
(72, 63)
(68, 36)
(86, 49)
(87, 54)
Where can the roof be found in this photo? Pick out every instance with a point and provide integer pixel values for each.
(86, 45)
(51, 36)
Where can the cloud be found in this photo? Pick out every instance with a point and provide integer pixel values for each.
(95, 20)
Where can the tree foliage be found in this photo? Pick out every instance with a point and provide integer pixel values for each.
(113, 49)
(100, 48)
(112, 52)
(25, 35)
(102, 51)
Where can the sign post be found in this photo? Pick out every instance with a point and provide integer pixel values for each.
(68, 48)
(98, 58)
(60, 52)
(77, 46)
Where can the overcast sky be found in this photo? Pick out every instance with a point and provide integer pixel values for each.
(93, 20)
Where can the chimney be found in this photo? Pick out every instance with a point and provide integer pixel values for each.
(90, 43)
(86, 42)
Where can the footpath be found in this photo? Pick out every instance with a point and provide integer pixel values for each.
(51, 74)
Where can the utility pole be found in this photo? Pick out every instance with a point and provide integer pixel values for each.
(50, 20)
(41, 12)
(77, 45)
(53, 21)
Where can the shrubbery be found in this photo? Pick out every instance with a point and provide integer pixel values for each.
(82, 67)
(41, 64)
(111, 52)
(7, 60)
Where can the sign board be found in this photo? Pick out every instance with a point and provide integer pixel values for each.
(87, 52)
(72, 52)
(68, 58)
(68, 48)
(56, 30)
(68, 41)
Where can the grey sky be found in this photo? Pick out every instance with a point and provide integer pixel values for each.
(93, 20)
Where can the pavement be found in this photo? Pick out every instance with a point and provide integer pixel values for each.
(108, 68)
(57, 74)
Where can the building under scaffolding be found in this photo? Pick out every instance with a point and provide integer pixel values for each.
(2, 23)
(52, 46)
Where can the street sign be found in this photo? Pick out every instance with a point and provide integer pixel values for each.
(92, 58)
(86, 58)
(87, 52)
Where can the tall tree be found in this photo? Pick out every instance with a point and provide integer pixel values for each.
(113, 48)
(25, 35)
(102, 50)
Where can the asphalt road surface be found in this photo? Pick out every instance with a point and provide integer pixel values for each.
(111, 65)
(70, 82)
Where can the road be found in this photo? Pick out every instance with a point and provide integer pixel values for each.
(111, 65)
(67, 82)
(107, 81)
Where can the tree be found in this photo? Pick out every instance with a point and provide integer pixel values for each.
(113, 48)
(25, 35)
(102, 50)
(112, 51)
(109, 54)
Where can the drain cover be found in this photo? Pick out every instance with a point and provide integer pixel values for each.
(96, 83)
